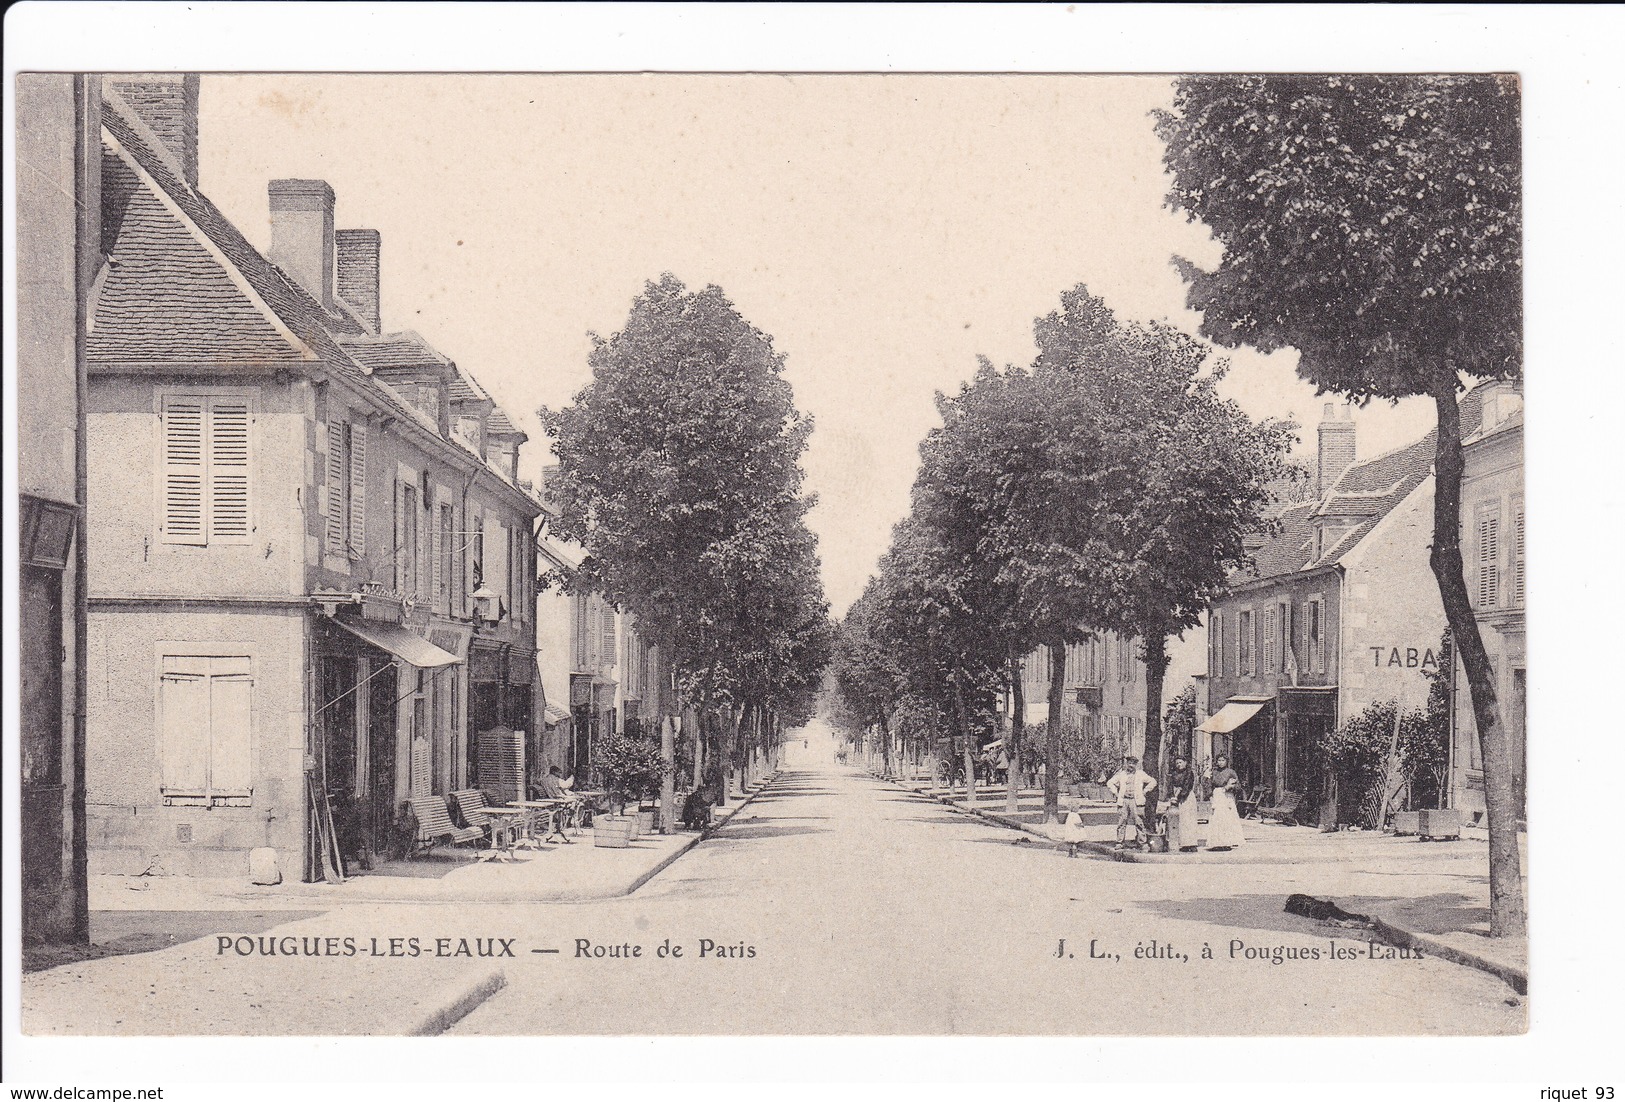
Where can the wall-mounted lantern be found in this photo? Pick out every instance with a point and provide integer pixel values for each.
(487, 605)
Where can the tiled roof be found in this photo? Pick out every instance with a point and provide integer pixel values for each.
(167, 295)
(1364, 494)
(498, 424)
(465, 388)
(397, 353)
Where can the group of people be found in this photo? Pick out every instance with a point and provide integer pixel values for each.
(1132, 788)
(994, 763)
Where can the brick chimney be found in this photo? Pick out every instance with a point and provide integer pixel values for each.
(1336, 447)
(302, 235)
(167, 104)
(358, 273)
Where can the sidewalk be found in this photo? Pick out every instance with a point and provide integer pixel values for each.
(556, 873)
(179, 943)
(1445, 914)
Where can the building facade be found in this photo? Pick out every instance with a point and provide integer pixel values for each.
(1493, 548)
(314, 578)
(1338, 611)
(1103, 695)
(58, 250)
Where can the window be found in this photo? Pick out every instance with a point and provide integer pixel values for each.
(607, 647)
(1314, 629)
(1244, 643)
(204, 729)
(1125, 659)
(406, 537)
(444, 559)
(1489, 556)
(476, 560)
(1272, 660)
(1517, 553)
(582, 632)
(205, 492)
(346, 488)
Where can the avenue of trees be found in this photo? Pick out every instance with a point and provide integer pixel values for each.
(680, 476)
(1107, 487)
(1374, 223)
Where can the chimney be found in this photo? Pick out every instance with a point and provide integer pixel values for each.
(1336, 447)
(358, 273)
(167, 104)
(302, 235)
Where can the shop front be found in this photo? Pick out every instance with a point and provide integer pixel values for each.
(384, 717)
(1244, 732)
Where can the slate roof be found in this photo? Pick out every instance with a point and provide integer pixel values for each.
(181, 282)
(166, 295)
(1358, 500)
(466, 388)
(403, 353)
(497, 423)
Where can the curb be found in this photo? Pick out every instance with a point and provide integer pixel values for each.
(1515, 978)
(666, 861)
(1099, 849)
(459, 1000)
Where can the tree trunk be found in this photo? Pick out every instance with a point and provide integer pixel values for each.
(691, 724)
(1012, 749)
(1052, 736)
(963, 722)
(885, 742)
(1507, 916)
(1154, 643)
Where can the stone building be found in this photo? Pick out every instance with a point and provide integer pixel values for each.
(58, 251)
(314, 562)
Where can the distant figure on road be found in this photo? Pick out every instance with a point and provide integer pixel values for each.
(1182, 833)
(1129, 787)
(1224, 824)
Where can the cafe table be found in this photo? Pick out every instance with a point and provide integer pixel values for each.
(514, 826)
(535, 809)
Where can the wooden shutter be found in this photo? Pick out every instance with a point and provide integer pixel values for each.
(336, 486)
(400, 537)
(231, 762)
(609, 635)
(1517, 556)
(228, 469)
(1489, 559)
(184, 470)
(183, 727)
(436, 577)
(358, 489)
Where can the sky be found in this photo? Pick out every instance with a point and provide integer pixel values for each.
(884, 230)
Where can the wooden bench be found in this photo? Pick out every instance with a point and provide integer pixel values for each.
(502, 829)
(434, 823)
(1247, 802)
(1286, 811)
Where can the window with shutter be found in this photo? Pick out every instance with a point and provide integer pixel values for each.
(579, 607)
(1489, 557)
(228, 470)
(358, 489)
(338, 487)
(1517, 554)
(609, 636)
(185, 469)
(436, 577)
(205, 723)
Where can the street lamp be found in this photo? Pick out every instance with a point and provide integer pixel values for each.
(487, 605)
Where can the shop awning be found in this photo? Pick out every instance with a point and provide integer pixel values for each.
(556, 715)
(1231, 716)
(408, 646)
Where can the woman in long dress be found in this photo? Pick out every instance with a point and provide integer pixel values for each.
(1182, 828)
(1224, 825)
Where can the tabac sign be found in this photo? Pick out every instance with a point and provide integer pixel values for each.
(1426, 659)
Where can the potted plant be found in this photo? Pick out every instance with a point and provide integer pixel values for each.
(629, 768)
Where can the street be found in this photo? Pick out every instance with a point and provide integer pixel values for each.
(836, 903)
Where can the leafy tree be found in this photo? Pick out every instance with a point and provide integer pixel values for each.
(1178, 477)
(1424, 741)
(1375, 224)
(679, 473)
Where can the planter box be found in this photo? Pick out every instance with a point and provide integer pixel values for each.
(612, 831)
(1439, 823)
(1407, 822)
(646, 821)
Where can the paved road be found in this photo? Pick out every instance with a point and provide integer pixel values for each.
(836, 903)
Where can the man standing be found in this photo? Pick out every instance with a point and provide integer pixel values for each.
(1129, 787)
